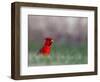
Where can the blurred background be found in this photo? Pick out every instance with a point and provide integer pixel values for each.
(69, 35)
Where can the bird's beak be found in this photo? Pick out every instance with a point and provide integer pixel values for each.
(52, 41)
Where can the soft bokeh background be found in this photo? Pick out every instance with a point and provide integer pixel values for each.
(69, 35)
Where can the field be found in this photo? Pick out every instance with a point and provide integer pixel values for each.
(65, 54)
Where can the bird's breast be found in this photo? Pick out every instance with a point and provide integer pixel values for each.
(45, 50)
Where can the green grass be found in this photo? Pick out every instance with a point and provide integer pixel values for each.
(60, 55)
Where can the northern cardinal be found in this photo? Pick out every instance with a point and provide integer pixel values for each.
(45, 50)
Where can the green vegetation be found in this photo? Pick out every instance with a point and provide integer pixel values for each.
(60, 55)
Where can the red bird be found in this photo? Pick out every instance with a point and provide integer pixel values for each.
(45, 50)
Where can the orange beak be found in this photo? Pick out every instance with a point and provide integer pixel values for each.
(52, 41)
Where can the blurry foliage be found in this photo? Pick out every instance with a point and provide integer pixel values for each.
(60, 55)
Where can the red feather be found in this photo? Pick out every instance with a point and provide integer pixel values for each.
(45, 50)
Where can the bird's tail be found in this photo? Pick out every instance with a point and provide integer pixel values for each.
(38, 53)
